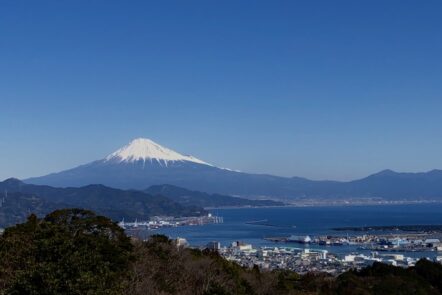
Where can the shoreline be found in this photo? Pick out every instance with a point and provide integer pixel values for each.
(333, 204)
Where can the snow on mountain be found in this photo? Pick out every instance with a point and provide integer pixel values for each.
(143, 163)
(143, 149)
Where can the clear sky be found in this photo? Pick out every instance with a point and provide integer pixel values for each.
(320, 89)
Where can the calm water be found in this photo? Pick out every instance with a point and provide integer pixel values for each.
(304, 220)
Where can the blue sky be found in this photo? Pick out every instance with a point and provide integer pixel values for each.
(320, 89)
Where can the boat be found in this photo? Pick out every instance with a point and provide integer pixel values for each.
(300, 239)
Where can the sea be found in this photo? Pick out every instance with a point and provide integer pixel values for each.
(252, 225)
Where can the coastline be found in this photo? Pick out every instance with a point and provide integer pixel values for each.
(345, 203)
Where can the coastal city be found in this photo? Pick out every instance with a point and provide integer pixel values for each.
(305, 253)
(306, 260)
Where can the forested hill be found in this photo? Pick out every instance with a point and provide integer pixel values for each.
(16, 207)
(202, 199)
(19, 200)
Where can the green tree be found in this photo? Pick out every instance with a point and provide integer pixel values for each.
(70, 251)
(431, 272)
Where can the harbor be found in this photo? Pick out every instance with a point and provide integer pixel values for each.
(158, 222)
(305, 260)
(398, 242)
(314, 228)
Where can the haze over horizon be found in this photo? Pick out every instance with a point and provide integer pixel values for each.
(318, 90)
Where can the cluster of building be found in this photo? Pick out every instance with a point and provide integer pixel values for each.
(405, 244)
(304, 260)
(410, 242)
(157, 222)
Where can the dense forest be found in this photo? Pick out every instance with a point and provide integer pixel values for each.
(74, 251)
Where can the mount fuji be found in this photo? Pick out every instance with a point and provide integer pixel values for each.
(143, 163)
(145, 150)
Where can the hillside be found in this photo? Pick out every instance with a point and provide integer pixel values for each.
(16, 207)
(196, 198)
(115, 203)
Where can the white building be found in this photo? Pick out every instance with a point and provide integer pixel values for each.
(242, 246)
(349, 258)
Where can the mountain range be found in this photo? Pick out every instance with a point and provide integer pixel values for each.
(143, 163)
(196, 198)
(19, 199)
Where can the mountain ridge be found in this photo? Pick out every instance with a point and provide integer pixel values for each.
(115, 203)
(202, 199)
(143, 163)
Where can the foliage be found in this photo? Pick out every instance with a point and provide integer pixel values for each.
(383, 279)
(68, 252)
(431, 272)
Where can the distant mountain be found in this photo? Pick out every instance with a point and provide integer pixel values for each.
(16, 207)
(201, 199)
(394, 185)
(143, 163)
(114, 203)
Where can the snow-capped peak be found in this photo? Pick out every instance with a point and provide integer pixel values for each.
(148, 150)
